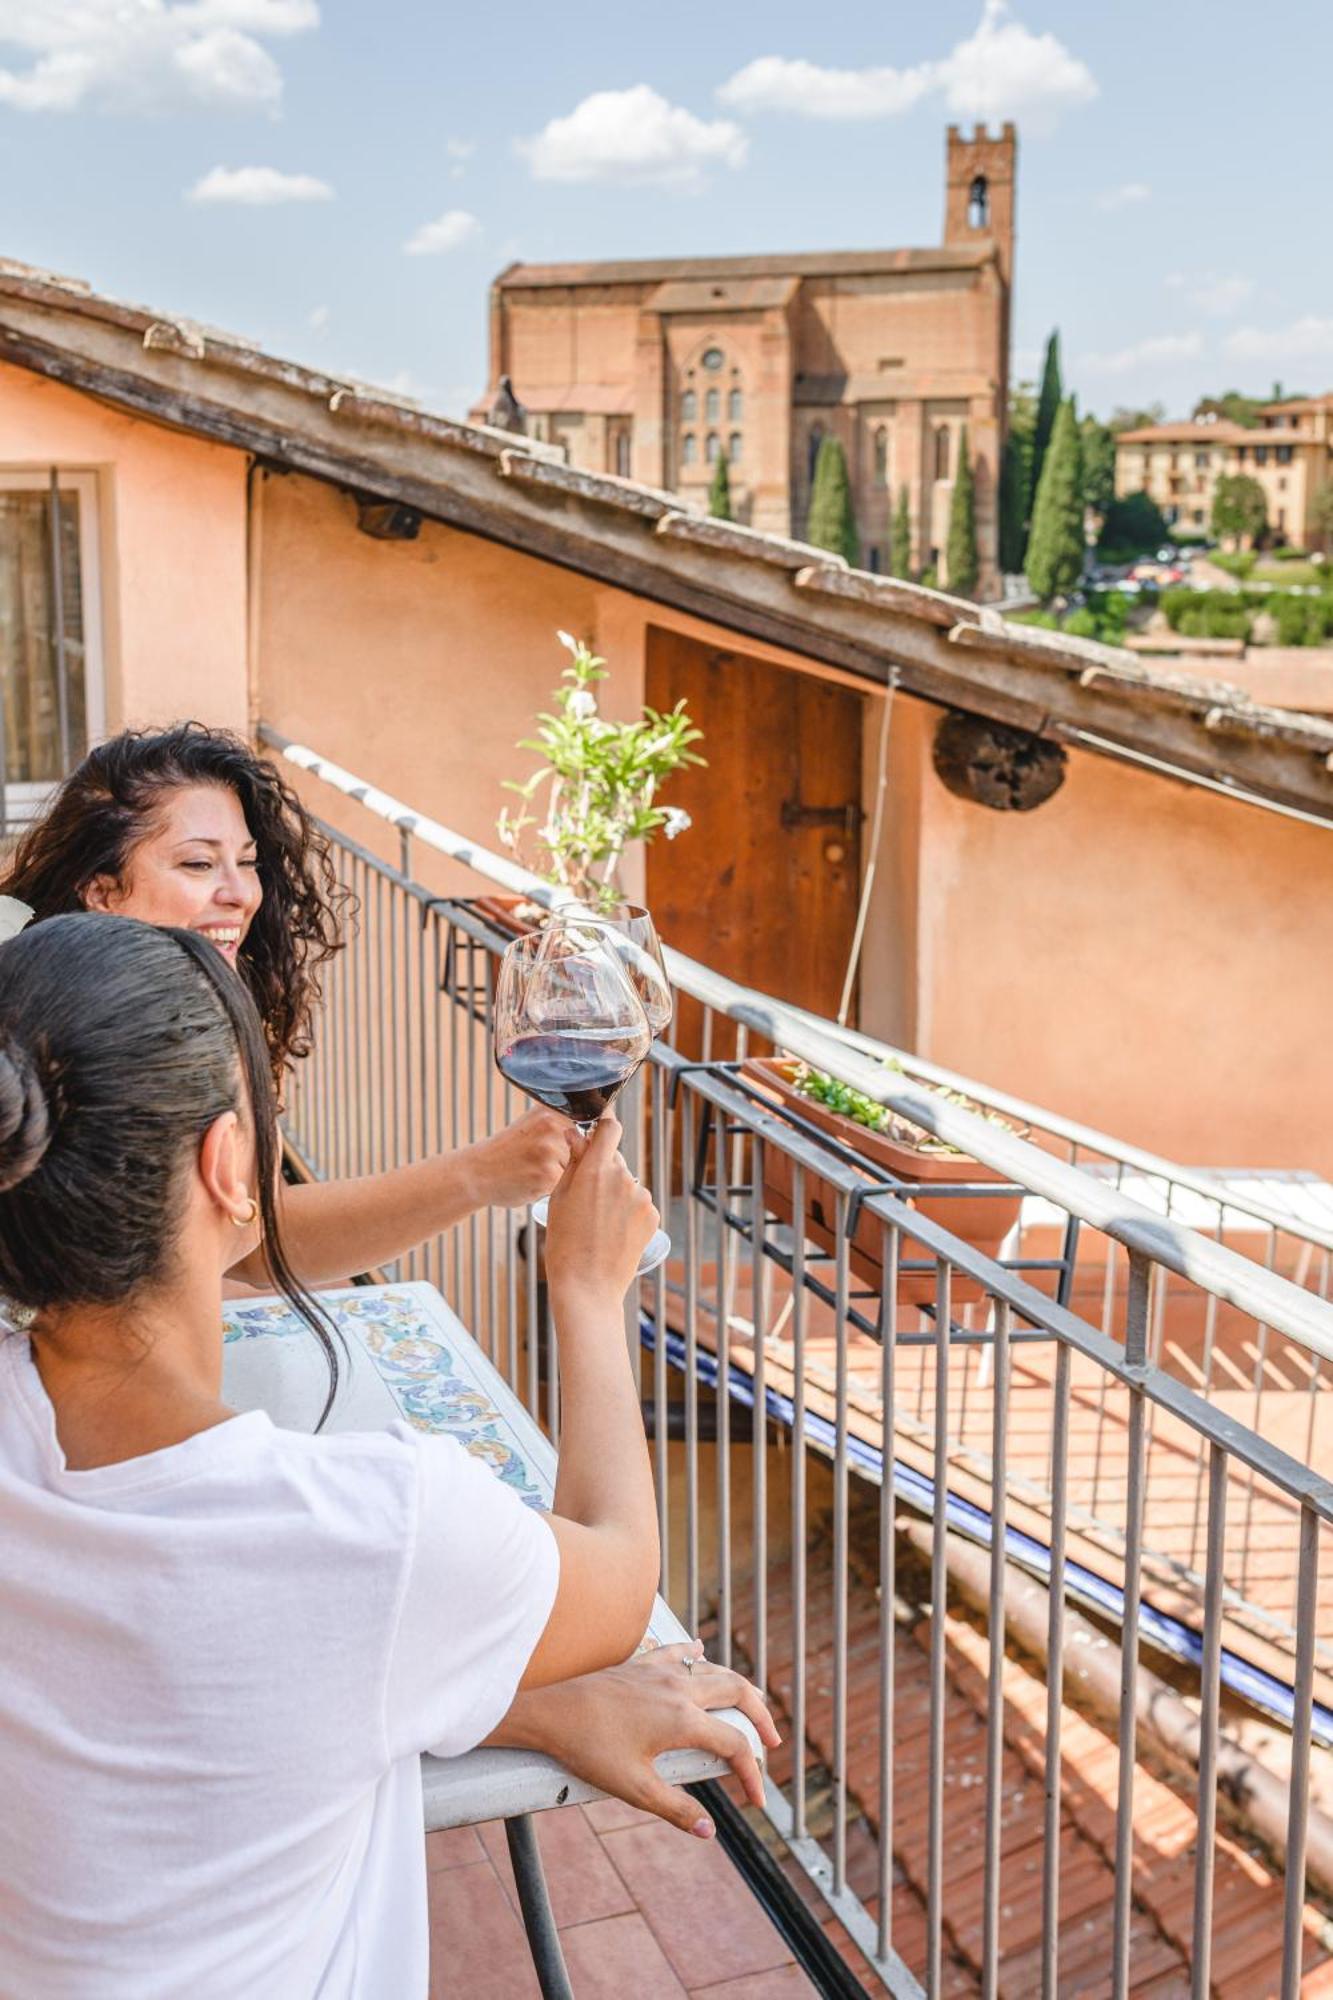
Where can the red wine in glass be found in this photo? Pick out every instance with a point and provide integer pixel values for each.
(578, 1074)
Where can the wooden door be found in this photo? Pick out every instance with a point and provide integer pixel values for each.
(764, 884)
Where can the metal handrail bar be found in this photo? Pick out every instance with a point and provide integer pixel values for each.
(1276, 1302)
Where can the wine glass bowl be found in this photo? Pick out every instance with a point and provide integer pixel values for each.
(570, 1029)
(633, 936)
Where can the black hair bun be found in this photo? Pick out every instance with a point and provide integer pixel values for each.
(25, 1114)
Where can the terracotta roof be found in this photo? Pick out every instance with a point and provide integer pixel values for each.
(1324, 402)
(798, 264)
(1188, 432)
(516, 491)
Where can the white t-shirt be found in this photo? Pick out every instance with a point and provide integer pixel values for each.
(218, 1666)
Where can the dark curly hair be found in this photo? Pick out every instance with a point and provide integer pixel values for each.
(107, 806)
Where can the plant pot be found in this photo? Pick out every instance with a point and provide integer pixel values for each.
(513, 915)
(980, 1220)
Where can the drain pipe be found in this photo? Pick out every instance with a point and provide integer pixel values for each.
(1258, 1799)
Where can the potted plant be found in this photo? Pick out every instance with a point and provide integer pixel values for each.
(602, 782)
(885, 1141)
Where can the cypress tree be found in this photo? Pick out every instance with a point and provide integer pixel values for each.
(719, 493)
(1013, 504)
(1048, 408)
(900, 536)
(832, 520)
(960, 549)
(1056, 548)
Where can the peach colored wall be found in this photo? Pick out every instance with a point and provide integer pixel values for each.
(1142, 955)
(172, 512)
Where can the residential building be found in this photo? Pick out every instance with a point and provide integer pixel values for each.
(1289, 452)
(652, 368)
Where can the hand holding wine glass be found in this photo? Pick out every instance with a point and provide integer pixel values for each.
(600, 1218)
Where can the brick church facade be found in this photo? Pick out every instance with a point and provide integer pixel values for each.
(651, 368)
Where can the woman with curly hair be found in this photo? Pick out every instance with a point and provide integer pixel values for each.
(188, 827)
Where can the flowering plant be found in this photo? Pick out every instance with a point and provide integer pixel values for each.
(603, 779)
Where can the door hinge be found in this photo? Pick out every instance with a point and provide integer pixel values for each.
(848, 817)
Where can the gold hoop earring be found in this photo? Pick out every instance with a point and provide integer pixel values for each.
(247, 1221)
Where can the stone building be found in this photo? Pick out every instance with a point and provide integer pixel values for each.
(1289, 451)
(652, 368)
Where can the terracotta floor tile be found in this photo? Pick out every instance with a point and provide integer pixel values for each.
(452, 1847)
(618, 1956)
(785, 1982)
(704, 1918)
(609, 1815)
(477, 1947)
(582, 1882)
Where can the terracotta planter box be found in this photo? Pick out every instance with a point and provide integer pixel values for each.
(507, 913)
(981, 1220)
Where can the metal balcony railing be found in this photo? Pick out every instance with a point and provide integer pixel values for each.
(1118, 1404)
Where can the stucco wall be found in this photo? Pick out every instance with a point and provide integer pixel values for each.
(1140, 954)
(172, 513)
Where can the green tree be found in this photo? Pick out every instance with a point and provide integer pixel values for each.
(1056, 545)
(1048, 409)
(1098, 448)
(1122, 418)
(960, 549)
(1231, 406)
(1133, 523)
(832, 519)
(1013, 506)
(719, 493)
(900, 536)
(1240, 510)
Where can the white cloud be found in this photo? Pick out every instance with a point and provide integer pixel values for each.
(460, 149)
(448, 232)
(142, 55)
(1213, 294)
(319, 319)
(634, 137)
(1129, 195)
(1002, 70)
(781, 83)
(258, 187)
(1309, 338)
(1159, 351)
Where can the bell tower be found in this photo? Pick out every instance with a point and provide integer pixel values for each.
(979, 202)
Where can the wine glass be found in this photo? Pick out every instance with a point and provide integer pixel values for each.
(570, 1031)
(633, 937)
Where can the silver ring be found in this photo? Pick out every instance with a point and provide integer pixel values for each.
(688, 1663)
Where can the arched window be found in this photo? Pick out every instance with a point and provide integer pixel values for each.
(689, 407)
(942, 452)
(622, 454)
(816, 439)
(882, 456)
(734, 448)
(712, 406)
(713, 446)
(978, 205)
(735, 406)
(689, 448)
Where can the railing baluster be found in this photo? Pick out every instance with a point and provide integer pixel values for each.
(1055, 1682)
(888, 1630)
(939, 1601)
(799, 1528)
(1302, 1718)
(722, 1330)
(661, 1149)
(841, 1498)
(1210, 1677)
(1136, 1338)
(990, 1945)
(691, 1364)
(759, 1445)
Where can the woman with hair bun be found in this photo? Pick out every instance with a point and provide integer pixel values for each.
(223, 1645)
(188, 826)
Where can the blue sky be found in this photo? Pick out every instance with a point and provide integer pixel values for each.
(264, 164)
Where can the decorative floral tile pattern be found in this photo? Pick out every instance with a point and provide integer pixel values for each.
(430, 1384)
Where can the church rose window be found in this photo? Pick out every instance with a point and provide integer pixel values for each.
(712, 359)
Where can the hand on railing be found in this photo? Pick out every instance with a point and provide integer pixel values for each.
(607, 1728)
(524, 1161)
(600, 1221)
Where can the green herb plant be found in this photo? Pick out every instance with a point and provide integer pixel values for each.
(863, 1110)
(603, 779)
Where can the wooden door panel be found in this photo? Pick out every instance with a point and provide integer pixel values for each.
(760, 887)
